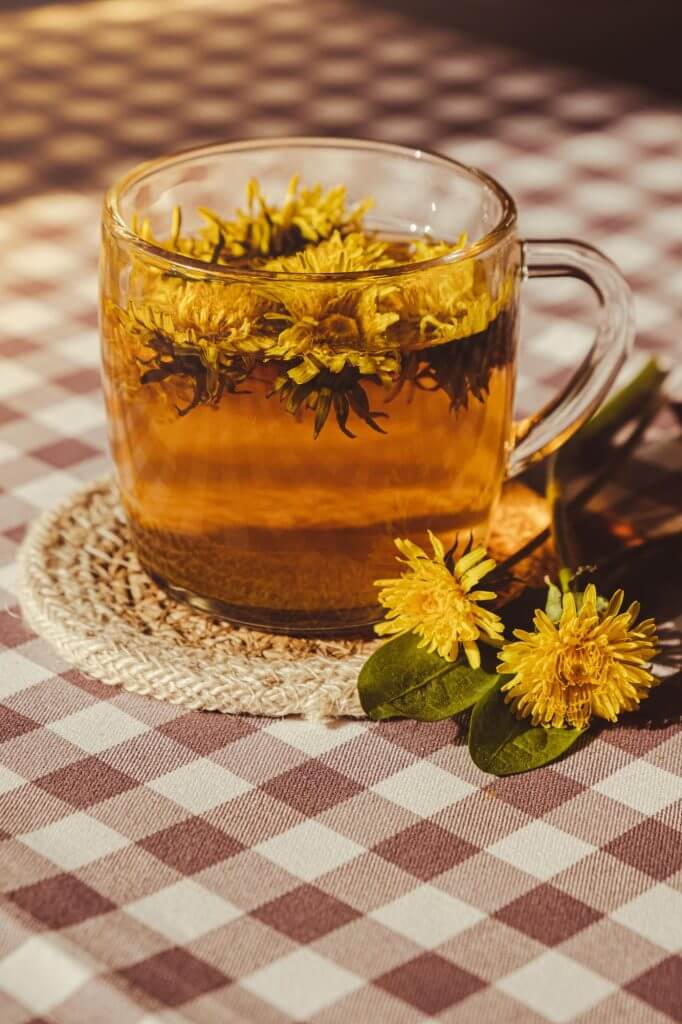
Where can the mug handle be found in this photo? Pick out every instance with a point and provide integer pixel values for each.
(544, 431)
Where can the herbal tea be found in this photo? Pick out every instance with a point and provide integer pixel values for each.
(273, 435)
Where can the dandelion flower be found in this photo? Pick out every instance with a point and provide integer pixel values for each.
(329, 326)
(439, 605)
(448, 302)
(212, 320)
(590, 662)
(307, 216)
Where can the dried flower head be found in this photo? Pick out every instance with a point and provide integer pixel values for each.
(439, 604)
(590, 662)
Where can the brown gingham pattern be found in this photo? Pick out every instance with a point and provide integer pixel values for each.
(159, 866)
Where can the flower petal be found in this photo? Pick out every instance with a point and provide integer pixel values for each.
(437, 545)
(591, 663)
(472, 576)
(473, 655)
(469, 560)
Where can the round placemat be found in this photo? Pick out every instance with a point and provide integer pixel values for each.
(82, 588)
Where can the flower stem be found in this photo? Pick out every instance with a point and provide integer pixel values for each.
(623, 405)
(637, 402)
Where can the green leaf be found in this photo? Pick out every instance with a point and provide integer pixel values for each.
(501, 744)
(402, 680)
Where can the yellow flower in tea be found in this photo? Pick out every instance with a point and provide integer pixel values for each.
(265, 230)
(428, 249)
(439, 605)
(589, 663)
(444, 303)
(330, 326)
(211, 319)
(324, 339)
(339, 254)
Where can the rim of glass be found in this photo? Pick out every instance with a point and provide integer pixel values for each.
(505, 224)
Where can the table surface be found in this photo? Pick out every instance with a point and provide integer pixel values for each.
(166, 866)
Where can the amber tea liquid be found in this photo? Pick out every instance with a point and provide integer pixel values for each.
(241, 511)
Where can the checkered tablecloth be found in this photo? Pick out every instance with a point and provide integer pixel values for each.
(160, 866)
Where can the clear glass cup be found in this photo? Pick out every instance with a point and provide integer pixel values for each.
(275, 430)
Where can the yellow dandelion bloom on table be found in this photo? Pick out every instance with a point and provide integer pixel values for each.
(439, 605)
(591, 662)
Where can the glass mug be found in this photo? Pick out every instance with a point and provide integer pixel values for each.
(268, 488)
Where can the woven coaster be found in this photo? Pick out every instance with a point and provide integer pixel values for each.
(82, 588)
